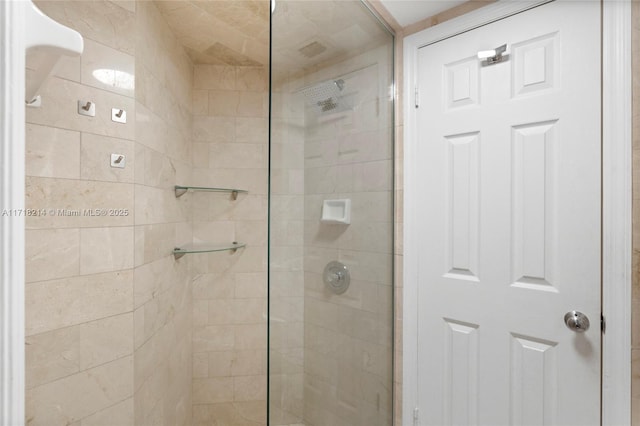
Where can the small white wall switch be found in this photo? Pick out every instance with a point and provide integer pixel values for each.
(118, 115)
(118, 161)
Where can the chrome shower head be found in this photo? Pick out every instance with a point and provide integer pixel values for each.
(325, 95)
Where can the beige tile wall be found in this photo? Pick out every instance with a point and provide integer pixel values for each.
(80, 278)
(342, 344)
(230, 150)
(398, 158)
(287, 276)
(162, 285)
(108, 308)
(348, 338)
(332, 355)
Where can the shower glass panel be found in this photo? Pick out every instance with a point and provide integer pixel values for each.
(331, 216)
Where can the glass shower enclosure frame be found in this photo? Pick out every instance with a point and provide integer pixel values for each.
(331, 216)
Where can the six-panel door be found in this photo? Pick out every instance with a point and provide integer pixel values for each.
(510, 222)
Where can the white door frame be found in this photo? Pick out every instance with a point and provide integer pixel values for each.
(12, 171)
(616, 199)
(22, 26)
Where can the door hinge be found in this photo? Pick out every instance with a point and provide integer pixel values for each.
(417, 97)
(416, 414)
(603, 324)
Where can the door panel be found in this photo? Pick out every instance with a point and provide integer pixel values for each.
(533, 204)
(463, 158)
(510, 236)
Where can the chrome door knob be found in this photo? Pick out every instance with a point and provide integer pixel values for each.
(576, 321)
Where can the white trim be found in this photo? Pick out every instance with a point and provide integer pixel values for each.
(22, 26)
(616, 212)
(12, 171)
(470, 21)
(617, 198)
(410, 254)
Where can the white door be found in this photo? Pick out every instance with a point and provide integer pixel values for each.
(510, 157)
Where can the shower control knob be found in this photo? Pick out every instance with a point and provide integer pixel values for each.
(576, 321)
(336, 276)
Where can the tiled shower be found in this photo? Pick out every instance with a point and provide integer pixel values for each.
(331, 139)
(122, 331)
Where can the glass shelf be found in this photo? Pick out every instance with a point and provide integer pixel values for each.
(178, 252)
(181, 190)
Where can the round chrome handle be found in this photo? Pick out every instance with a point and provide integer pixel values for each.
(336, 276)
(576, 321)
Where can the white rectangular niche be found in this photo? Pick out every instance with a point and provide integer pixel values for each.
(336, 211)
